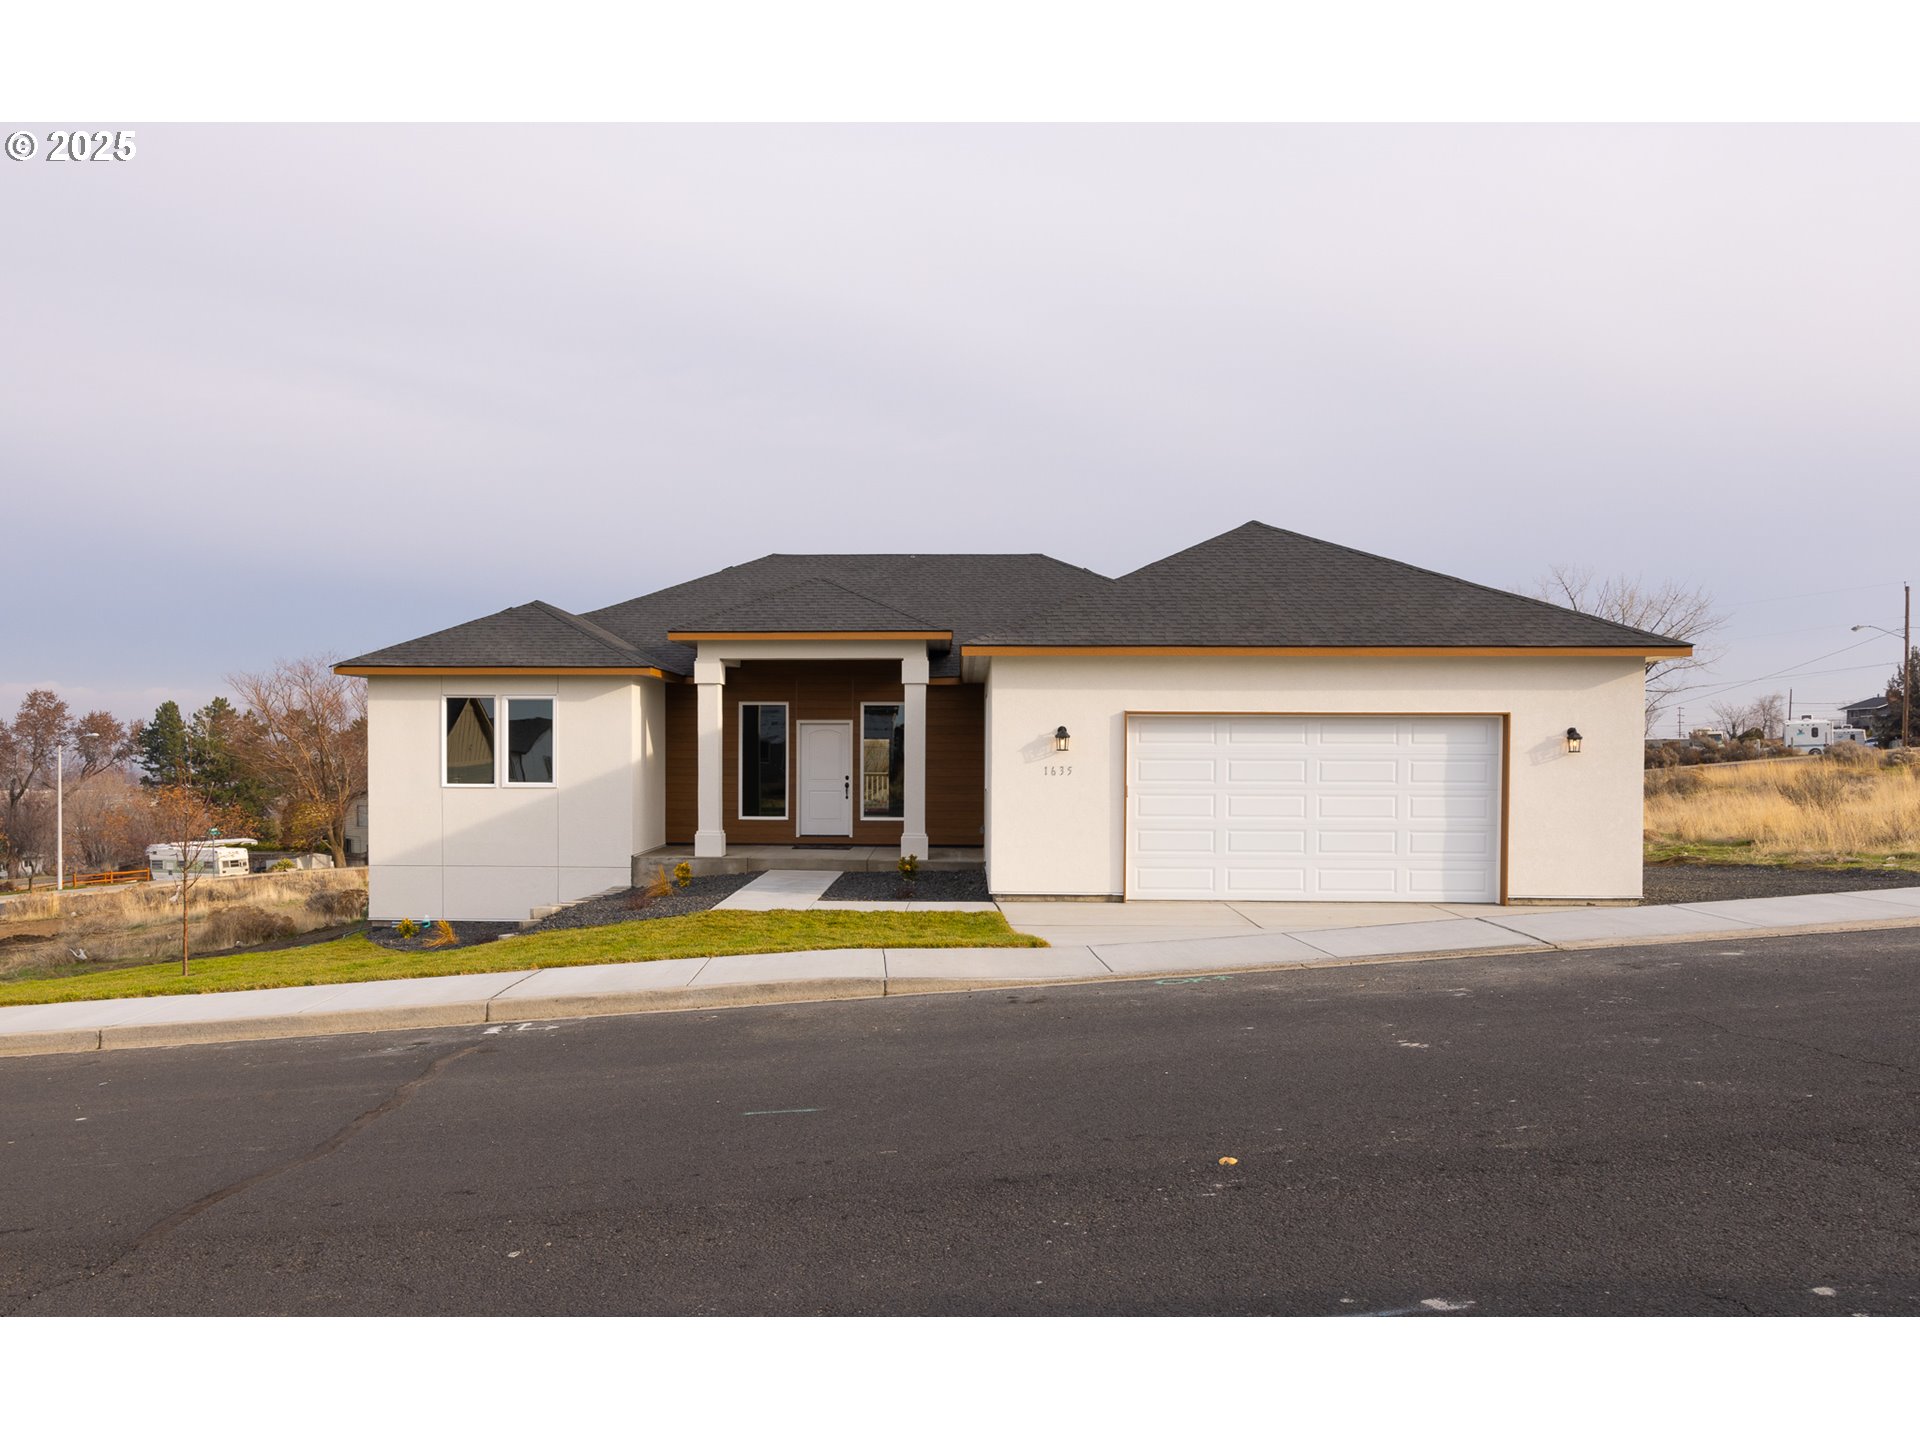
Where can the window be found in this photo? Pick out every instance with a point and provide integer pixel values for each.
(529, 740)
(469, 740)
(763, 762)
(883, 762)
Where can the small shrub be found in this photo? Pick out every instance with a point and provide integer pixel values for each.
(407, 928)
(280, 865)
(443, 936)
(243, 925)
(1675, 782)
(337, 905)
(909, 867)
(683, 874)
(1853, 755)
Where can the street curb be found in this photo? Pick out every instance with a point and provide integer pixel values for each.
(503, 1008)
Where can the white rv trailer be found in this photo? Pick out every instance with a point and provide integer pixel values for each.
(215, 857)
(1814, 737)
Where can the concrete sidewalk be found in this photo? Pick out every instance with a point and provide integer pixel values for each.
(1149, 941)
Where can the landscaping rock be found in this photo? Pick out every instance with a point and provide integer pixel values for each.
(702, 893)
(932, 885)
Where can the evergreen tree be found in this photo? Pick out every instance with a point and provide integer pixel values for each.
(1887, 731)
(219, 770)
(160, 749)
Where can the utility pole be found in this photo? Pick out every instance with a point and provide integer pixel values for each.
(1906, 672)
(59, 817)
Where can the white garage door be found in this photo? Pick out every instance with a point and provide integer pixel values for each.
(1282, 807)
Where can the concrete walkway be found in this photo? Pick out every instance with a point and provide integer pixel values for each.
(781, 890)
(802, 889)
(1141, 940)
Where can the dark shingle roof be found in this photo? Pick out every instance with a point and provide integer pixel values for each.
(1254, 586)
(962, 593)
(1262, 586)
(813, 604)
(532, 634)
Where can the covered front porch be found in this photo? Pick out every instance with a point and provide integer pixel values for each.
(821, 753)
(740, 859)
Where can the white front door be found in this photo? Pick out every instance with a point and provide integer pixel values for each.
(826, 777)
(1305, 807)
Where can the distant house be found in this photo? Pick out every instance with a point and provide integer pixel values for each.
(356, 831)
(1867, 714)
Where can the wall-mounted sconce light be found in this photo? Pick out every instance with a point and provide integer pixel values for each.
(1573, 741)
(1061, 740)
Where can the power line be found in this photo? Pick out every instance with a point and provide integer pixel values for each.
(1792, 670)
(1811, 594)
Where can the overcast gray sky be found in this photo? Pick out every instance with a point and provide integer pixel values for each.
(275, 390)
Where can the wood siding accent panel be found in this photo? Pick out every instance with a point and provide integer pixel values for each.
(956, 764)
(682, 738)
(830, 690)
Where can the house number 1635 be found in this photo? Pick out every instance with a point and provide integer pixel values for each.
(1058, 769)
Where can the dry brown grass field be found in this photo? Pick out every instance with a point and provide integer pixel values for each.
(142, 922)
(1832, 809)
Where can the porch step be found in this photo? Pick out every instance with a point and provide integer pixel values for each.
(741, 858)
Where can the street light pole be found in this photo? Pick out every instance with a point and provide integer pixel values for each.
(60, 810)
(1906, 666)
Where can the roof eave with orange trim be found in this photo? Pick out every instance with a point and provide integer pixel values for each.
(1461, 652)
(391, 671)
(691, 637)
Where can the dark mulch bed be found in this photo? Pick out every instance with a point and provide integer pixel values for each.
(702, 893)
(1682, 884)
(466, 932)
(932, 885)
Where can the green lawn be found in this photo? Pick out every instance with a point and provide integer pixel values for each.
(711, 932)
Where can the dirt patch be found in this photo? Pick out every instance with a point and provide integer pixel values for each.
(1683, 884)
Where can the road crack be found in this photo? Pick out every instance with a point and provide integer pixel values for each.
(1897, 1069)
(165, 1226)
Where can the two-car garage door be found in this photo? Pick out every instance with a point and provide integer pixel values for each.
(1294, 807)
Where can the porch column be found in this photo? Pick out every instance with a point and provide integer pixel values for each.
(711, 678)
(913, 832)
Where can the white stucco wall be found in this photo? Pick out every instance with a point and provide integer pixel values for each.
(1575, 819)
(494, 853)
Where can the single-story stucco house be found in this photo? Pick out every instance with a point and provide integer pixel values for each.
(1264, 716)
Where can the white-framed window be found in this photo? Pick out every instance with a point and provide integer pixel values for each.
(493, 740)
(467, 740)
(883, 760)
(528, 749)
(762, 760)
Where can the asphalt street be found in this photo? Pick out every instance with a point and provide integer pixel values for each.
(1717, 1128)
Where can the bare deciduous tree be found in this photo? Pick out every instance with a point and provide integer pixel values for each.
(306, 735)
(1733, 716)
(1668, 609)
(27, 750)
(184, 819)
(1770, 715)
